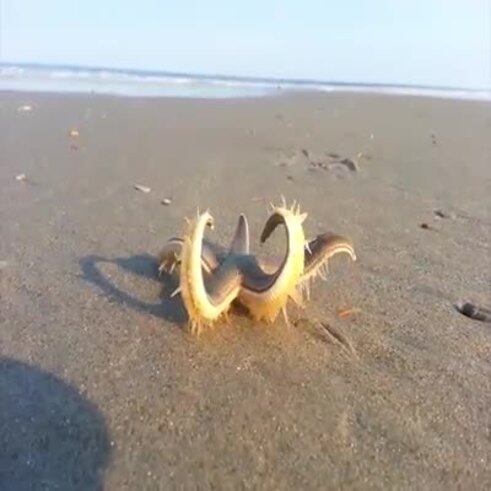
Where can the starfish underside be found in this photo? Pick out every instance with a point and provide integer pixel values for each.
(211, 277)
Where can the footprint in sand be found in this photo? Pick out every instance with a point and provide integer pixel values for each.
(331, 162)
(327, 161)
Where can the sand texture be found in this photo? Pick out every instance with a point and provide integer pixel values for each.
(101, 386)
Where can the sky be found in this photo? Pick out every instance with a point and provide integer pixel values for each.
(412, 42)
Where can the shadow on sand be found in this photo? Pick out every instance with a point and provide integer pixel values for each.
(50, 436)
(143, 265)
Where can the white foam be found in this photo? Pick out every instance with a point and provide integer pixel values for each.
(133, 83)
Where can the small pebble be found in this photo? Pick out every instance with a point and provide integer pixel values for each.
(74, 133)
(363, 155)
(350, 164)
(443, 214)
(343, 313)
(143, 189)
(25, 108)
(166, 201)
(21, 177)
(425, 226)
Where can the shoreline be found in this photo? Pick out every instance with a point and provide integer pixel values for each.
(142, 83)
(179, 91)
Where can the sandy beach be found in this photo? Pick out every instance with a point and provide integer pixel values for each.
(103, 387)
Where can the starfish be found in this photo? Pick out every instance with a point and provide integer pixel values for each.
(212, 277)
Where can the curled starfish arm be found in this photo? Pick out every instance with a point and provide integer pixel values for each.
(211, 255)
(266, 294)
(170, 256)
(205, 300)
(319, 250)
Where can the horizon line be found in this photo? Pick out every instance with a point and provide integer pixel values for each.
(239, 78)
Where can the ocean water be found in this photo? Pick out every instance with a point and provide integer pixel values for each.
(136, 83)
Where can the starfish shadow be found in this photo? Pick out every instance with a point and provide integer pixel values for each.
(144, 265)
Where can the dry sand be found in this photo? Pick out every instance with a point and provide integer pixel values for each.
(102, 387)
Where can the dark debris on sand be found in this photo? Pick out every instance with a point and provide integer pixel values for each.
(473, 312)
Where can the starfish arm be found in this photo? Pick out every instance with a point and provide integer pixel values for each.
(170, 256)
(205, 299)
(240, 241)
(265, 294)
(319, 250)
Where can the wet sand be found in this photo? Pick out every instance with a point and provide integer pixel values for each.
(102, 386)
